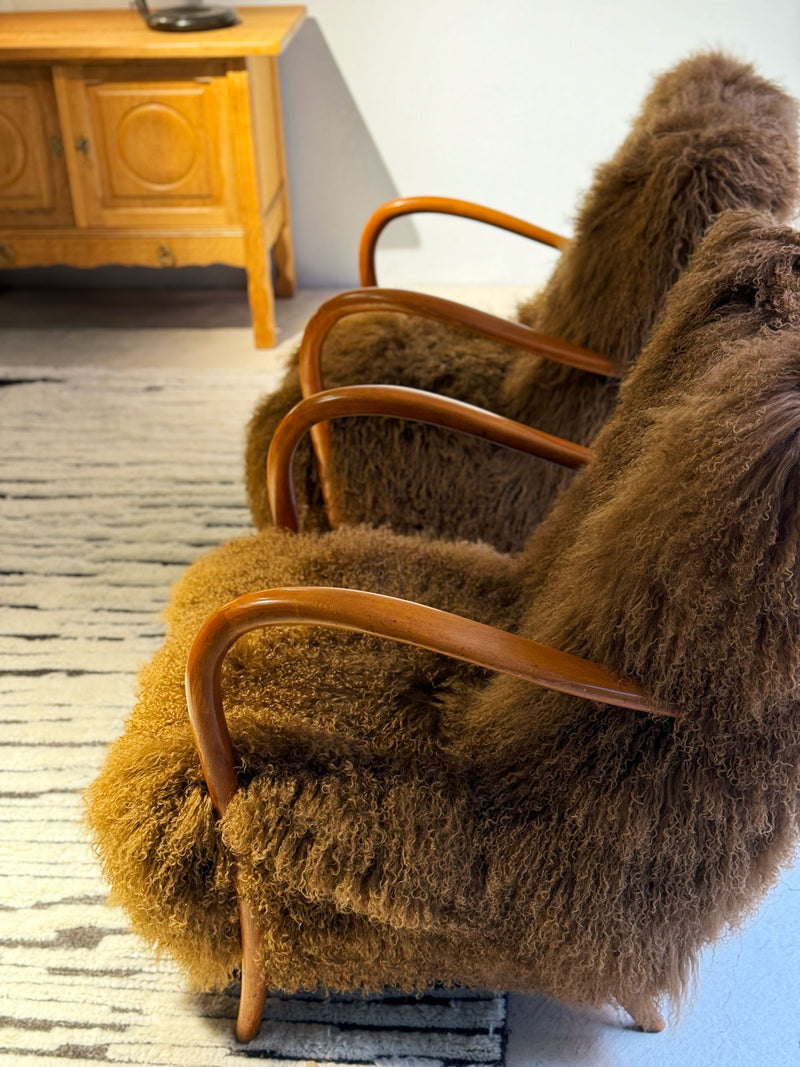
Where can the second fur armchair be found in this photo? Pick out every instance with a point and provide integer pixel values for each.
(712, 135)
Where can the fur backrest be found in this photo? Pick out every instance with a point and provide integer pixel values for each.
(722, 358)
(638, 839)
(712, 136)
(687, 578)
(742, 281)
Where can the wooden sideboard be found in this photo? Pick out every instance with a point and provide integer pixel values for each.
(121, 144)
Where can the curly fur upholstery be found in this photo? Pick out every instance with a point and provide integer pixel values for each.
(742, 282)
(405, 819)
(711, 136)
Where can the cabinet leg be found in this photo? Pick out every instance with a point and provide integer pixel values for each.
(262, 307)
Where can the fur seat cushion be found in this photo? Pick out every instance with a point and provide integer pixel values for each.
(301, 703)
(406, 819)
(712, 135)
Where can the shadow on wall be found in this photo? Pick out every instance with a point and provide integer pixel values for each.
(336, 174)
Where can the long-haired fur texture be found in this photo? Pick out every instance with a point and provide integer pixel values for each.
(712, 135)
(405, 819)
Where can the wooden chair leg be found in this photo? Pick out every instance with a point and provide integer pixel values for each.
(645, 1014)
(254, 988)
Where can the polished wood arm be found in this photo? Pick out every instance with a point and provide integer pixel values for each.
(382, 616)
(441, 205)
(398, 402)
(357, 301)
(449, 312)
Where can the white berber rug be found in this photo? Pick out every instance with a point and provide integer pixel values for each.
(111, 482)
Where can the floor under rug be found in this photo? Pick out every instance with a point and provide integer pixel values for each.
(112, 481)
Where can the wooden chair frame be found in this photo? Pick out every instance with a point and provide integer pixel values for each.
(449, 312)
(400, 402)
(357, 301)
(442, 205)
(372, 613)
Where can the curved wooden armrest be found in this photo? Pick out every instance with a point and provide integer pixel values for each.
(441, 205)
(398, 402)
(383, 616)
(449, 312)
(357, 301)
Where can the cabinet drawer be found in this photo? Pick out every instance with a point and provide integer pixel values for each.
(148, 144)
(34, 190)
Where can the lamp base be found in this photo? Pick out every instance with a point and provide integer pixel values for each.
(191, 18)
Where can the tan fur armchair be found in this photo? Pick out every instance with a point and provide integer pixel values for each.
(385, 812)
(712, 135)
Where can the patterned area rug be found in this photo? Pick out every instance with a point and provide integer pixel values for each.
(111, 483)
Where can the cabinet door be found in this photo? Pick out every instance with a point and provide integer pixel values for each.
(149, 144)
(33, 178)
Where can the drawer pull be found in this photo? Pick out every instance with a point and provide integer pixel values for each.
(56, 146)
(165, 256)
(82, 145)
(7, 256)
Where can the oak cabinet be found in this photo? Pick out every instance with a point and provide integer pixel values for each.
(119, 144)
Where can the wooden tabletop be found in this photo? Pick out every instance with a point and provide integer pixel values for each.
(122, 34)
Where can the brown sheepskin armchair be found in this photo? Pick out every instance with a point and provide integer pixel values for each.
(392, 816)
(712, 135)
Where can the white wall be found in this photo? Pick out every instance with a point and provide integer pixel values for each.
(511, 103)
(514, 102)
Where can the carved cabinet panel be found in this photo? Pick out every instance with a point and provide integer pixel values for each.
(33, 177)
(150, 146)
